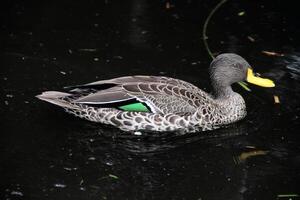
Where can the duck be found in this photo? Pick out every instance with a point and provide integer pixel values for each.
(160, 103)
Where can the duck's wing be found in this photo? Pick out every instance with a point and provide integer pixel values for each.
(138, 79)
(156, 97)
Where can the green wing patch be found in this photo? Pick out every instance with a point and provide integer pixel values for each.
(139, 107)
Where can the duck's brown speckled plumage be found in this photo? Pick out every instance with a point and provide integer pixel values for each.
(173, 104)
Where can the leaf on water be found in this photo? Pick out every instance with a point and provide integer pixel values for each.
(276, 99)
(241, 13)
(113, 176)
(272, 53)
(245, 155)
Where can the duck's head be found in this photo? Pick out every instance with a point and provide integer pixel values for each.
(229, 68)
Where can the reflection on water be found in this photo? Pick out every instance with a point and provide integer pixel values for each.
(292, 63)
(105, 159)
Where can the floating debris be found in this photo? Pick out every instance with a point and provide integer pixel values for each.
(251, 39)
(113, 176)
(91, 158)
(88, 50)
(9, 96)
(196, 63)
(6, 103)
(272, 53)
(70, 51)
(118, 57)
(287, 195)
(276, 99)
(96, 59)
(17, 193)
(109, 163)
(168, 5)
(81, 182)
(70, 169)
(59, 185)
(244, 85)
(250, 147)
(63, 73)
(245, 155)
(241, 13)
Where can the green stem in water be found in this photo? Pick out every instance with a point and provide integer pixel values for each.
(204, 37)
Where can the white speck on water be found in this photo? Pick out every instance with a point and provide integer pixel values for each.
(118, 57)
(70, 51)
(109, 163)
(195, 63)
(70, 169)
(144, 32)
(6, 103)
(96, 59)
(5, 78)
(63, 73)
(96, 25)
(88, 50)
(107, 60)
(91, 158)
(59, 185)
(137, 133)
(17, 193)
(133, 19)
(9, 95)
(26, 102)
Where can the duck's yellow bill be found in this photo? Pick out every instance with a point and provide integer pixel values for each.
(263, 82)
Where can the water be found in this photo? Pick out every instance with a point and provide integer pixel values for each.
(48, 154)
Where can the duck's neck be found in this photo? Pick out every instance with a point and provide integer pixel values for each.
(221, 91)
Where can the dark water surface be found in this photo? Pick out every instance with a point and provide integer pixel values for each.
(48, 154)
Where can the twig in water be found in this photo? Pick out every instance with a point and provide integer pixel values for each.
(204, 37)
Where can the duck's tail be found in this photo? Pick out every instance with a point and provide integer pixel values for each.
(57, 98)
